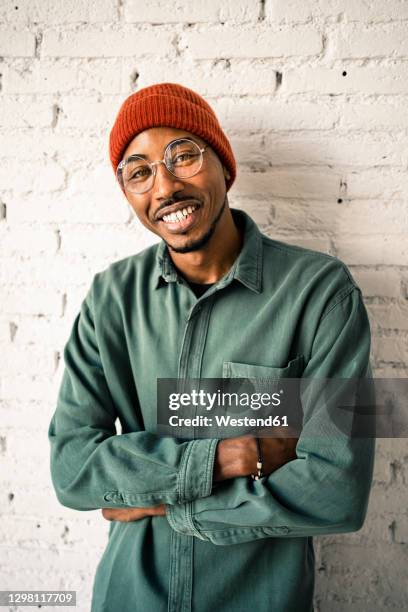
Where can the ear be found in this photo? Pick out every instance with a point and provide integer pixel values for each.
(226, 173)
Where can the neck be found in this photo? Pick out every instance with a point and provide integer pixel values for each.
(213, 261)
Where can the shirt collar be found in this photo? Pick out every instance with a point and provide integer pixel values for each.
(247, 268)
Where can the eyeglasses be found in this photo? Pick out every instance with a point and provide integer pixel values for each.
(183, 158)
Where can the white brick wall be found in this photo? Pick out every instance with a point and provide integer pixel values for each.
(314, 97)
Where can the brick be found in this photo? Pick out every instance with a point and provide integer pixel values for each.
(383, 283)
(382, 471)
(21, 439)
(248, 151)
(26, 176)
(16, 44)
(98, 202)
(5, 335)
(17, 360)
(333, 149)
(354, 41)
(58, 11)
(392, 449)
(19, 416)
(23, 300)
(219, 77)
(370, 217)
(23, 388)
(60, 272)
(305, 215)
(376, 10)
(390, 371)
(357, 577)
(390, 350)
(26, 241)
(35, 143)
(285, 183)
(364, 80)
(28, 559)
(375, 115)
(122, 43)
(389, 316)
(244, 42)
(315, 243)
(63, 75)
(159, 11)
(381, 184)
(401, 530)
(263, 113)
(373, 250)
(66, 531)
(24, 111)
(43, 332)
(89, 112)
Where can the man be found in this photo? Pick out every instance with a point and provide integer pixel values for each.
(191, 530)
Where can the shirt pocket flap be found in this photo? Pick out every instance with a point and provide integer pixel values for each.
(234, 369)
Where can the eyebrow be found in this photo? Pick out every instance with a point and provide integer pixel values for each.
(143, 156)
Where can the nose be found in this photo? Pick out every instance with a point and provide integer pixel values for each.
(165, 183)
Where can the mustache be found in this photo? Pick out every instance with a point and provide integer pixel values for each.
(175, 200)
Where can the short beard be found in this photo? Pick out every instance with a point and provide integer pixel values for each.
(198, 244)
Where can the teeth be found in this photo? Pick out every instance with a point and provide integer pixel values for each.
(177, 216)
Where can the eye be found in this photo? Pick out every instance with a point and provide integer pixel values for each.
(184, 158)
(140, 173)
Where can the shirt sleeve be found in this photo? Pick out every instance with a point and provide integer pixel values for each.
(326, 488)
(91, 466)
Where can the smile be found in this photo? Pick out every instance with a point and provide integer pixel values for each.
(180, 215)
(181, 220)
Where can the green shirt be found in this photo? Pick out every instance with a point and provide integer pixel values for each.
(280, 311)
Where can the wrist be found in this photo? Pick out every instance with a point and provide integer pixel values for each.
(231, 459)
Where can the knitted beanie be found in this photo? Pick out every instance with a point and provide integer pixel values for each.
(169, 105)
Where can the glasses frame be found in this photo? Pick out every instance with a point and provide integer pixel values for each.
(154, 164)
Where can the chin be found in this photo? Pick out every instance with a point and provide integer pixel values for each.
(192, 244)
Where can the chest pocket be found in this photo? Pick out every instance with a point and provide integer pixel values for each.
(234, 369)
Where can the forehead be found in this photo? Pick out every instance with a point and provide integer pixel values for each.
(153, 141)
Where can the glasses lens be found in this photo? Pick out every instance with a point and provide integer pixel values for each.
(137, 175)
(184, 158)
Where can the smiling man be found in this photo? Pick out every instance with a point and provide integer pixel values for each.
(202, 524)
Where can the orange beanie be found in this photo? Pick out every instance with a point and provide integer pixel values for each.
(169, 105)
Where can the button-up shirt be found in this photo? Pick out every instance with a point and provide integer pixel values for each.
(240, 544)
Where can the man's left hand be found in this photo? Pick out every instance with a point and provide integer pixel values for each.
(126, 515)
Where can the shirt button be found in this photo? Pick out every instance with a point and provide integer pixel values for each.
(283, 529)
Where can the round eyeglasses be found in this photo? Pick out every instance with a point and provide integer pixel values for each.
(183, 158)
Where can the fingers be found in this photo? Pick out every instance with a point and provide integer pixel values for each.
(124, 515)
(127, 515)
(158, 510)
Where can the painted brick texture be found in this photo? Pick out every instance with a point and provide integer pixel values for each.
(314, 97)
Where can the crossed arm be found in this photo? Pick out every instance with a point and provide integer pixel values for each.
(234, 457)
(313, 485)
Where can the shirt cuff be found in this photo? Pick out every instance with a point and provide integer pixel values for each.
(196, 471)
(180, 518)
